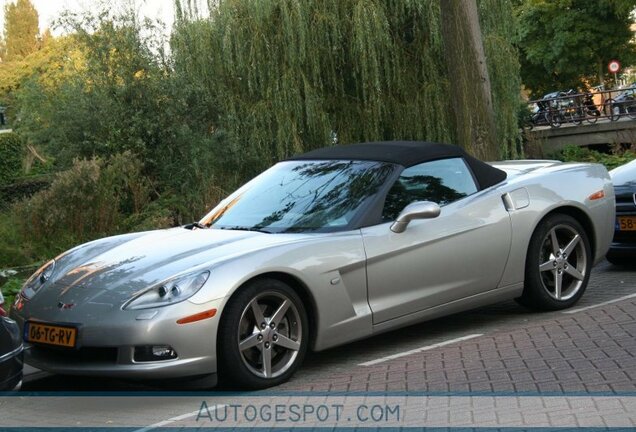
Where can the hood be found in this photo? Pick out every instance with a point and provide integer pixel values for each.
(624, 175)
(112, 270)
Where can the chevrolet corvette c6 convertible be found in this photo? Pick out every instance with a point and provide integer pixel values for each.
(331, 246)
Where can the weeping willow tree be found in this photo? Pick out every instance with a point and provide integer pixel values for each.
(474, 121)
(285, 76)
(498, 31)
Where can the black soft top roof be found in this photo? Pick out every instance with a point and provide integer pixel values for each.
(407, 154)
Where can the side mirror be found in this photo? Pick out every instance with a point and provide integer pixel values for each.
(415, 210)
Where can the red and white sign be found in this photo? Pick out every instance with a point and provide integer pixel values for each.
(614, 66)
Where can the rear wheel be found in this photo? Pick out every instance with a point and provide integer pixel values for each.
(557, 265)
(263, 335)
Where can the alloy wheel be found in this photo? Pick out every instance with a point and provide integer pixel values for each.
(563, 262)
(269, 334)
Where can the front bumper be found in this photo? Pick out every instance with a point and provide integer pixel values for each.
(624, 242)
(107, 338)
(622, 251)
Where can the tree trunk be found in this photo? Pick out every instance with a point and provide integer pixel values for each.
(471, 96)
(601, 73)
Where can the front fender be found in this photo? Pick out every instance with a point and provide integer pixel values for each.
(332, 268)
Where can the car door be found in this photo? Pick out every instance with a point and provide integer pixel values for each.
(461, 253)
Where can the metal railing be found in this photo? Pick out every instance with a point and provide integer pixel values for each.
(577, 108)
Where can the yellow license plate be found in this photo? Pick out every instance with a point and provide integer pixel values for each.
(50, 334)
(627, 223)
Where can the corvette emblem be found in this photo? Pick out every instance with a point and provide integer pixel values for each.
(65, 305)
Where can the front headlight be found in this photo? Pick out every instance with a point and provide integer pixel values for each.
(37, 279)
(169, 292)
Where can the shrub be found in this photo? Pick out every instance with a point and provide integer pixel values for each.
(14, 251)
(581, 154)
(89, 200)
(11, 153)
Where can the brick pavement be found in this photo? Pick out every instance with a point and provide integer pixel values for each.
(586, 352)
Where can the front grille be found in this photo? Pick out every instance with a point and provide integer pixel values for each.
(625, 208)
(625, 201)
(81, 355)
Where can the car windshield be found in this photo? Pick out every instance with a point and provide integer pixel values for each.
(301, 196)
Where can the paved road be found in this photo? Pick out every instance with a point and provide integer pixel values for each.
(590, 350)
(503, 348)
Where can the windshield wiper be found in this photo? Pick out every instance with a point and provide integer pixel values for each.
(194, 225)
(244, 228)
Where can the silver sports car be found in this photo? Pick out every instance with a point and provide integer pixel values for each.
(331, 246)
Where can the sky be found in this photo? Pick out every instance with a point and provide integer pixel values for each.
(48, 10)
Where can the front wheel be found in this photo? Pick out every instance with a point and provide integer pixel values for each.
(557, 265)
(263, 335)
(592, 115)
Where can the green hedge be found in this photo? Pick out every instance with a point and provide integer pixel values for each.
(11, 153)
(581, 154)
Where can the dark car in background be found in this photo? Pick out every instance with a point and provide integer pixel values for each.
(10, 352)
(623, 248)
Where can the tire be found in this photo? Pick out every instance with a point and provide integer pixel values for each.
(285, 341)
(592, 116)
(570, 260)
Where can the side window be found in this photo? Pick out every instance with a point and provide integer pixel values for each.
(441, 181)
